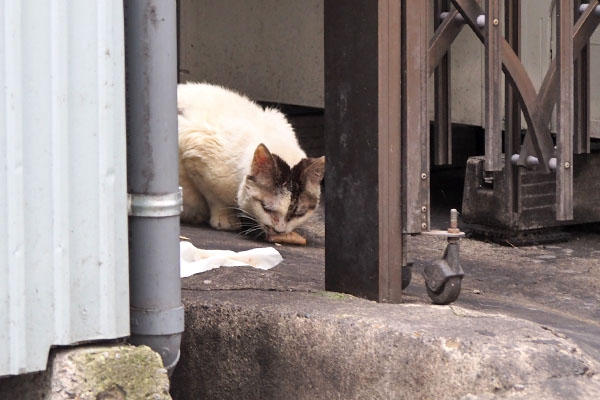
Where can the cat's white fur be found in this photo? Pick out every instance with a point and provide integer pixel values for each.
(219, 130)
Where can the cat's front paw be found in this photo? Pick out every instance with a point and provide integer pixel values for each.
(225, 221)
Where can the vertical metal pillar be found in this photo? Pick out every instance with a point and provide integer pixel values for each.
(493, 71)
(415, 128)
(363, 226)
(565, 68)
(152, 176)
(581, 132)
(512, 136)
(442, 126)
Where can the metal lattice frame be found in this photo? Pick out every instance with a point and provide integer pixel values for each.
(566, 84)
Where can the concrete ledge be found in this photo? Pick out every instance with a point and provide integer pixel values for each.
(93, 372)
(297, 345)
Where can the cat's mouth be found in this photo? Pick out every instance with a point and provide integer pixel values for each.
(270, 231)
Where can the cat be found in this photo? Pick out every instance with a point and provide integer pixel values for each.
(238, 160)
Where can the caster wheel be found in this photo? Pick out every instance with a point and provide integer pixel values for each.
(447, 293)
(406, 275)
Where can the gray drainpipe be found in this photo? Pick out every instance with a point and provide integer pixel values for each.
(152, 176)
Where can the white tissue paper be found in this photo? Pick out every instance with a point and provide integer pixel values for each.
(194, 260)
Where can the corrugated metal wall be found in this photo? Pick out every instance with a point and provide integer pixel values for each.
(63, 202)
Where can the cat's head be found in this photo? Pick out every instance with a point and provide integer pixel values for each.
(279, 197)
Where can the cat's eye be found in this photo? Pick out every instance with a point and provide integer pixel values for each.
(266, 207)
(299, 214)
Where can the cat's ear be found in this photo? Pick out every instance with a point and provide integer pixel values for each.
(263, 165)
(314, 170)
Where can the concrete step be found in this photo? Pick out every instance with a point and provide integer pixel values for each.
(310, 344)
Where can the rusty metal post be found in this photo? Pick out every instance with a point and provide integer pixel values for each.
(442, 126)
(512, 136)
(364, 249)
(581, 132)
(415, 128)
(493, 71)
(565, 68)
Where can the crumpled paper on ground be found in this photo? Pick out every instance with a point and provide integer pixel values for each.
(194, 261)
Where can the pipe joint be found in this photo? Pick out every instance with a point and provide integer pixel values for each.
(155, 205)
(157, 322)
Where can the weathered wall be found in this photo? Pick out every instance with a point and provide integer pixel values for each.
(273, 51)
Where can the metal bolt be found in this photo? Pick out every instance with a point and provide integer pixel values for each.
(453, 221)
(423, 209)
(496, 22)
(454, 218)
(423, 176)
(567, 165)
(423, 225)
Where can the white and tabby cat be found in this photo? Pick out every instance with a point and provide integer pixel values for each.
(235, 156)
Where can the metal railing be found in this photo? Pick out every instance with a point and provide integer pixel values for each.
(565, 85)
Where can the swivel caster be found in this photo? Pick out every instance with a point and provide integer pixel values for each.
(444, 276)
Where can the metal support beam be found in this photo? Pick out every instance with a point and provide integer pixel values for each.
(442, 126)
(541, 142)
(443, 38)
(415, 128)
(537, 107)
(564, 142)
(583, 30)
(364, 250)
(493, 71)
(548, 93)
(581, 133)
(512, 136)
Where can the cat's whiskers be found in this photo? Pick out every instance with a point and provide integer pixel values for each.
(249, 217)
(253, 229)
(235, 208)
(242, 213)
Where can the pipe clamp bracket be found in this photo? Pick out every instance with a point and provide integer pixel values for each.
(155, 205)
(156, 322)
